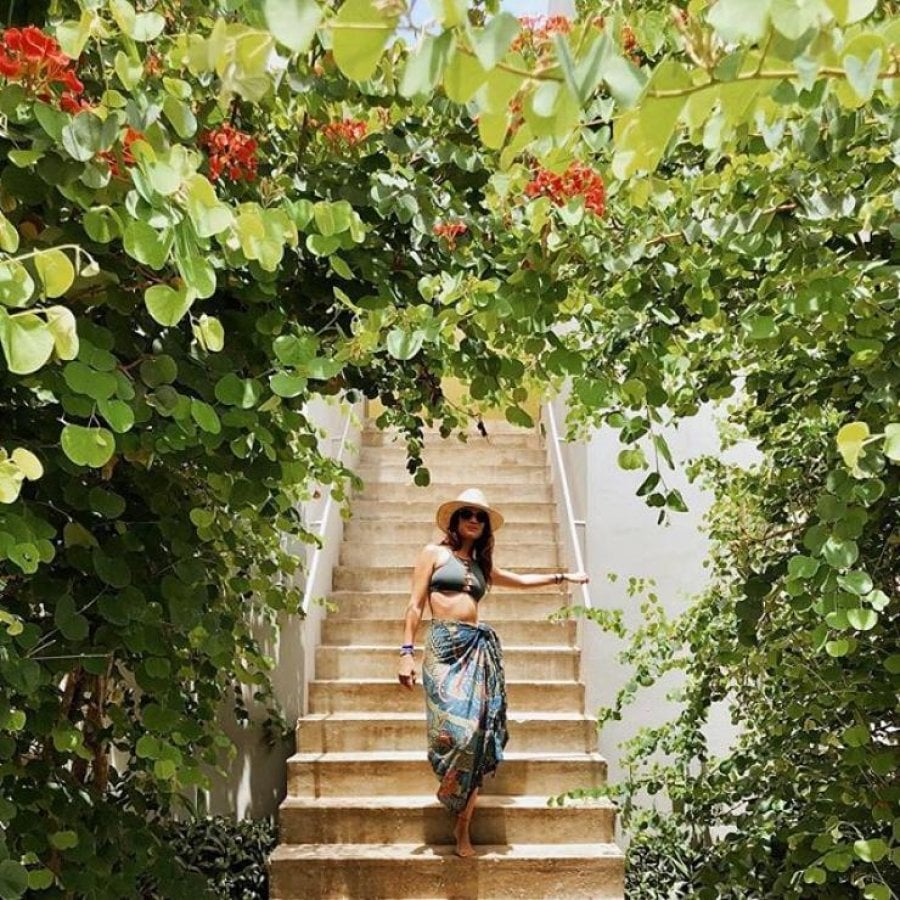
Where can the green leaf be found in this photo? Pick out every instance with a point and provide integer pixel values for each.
(16, 285)
(13, 879)
(62, 325)
(863, 76)
(873, 850)
(26, 340)
(892, 442)
(862, 619)
(360, 32)
(118, 414)
(632, 458)
(802, 567)
(181, 116)
(293, 22)
(793, 18)
(147, 245)
(130, 71)
(856, 736)
(840, 554)
(56, 272)
(286, 385)
(404, 345)
(167, 305)
(857, 582)
(64, 840)
(424, 69)
(849, 11)
(518, 416)
(207, 213)
(83, 137)
(72, 36)
(28, 463)
(102, 224)
(9, 237)
(462, 77)
(492, 42)
(737, 21)
(92, 447)
(205, 416)
(209, 332)
(815, 875)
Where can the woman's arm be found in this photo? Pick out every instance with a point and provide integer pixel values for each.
(504, 578)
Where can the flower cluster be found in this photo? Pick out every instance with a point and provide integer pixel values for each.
(630, 44)
(34, 60)
(127, 157)
(450, 231)
(579, 180)
(347, 133)
(537, 30)
(231, 151)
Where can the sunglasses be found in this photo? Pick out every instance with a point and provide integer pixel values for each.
(478, 515)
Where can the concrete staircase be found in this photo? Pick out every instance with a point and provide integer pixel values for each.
(361, 819)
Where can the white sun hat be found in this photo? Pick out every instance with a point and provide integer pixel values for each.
(470, 497)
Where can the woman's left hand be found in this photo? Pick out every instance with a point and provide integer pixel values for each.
(577, 577)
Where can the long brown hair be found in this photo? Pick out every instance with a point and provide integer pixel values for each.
(482, 548)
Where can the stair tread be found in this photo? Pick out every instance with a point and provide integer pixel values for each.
(429, 801)
(389, 756)
(519, 648)
(387, 715)
(542, 683)
(594, 851)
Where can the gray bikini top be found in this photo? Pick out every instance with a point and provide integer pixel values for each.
(458, 574)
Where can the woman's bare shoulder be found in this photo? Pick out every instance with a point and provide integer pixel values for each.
(431, 552)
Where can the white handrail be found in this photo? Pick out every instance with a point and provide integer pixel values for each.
(568, 510)
(323, 522)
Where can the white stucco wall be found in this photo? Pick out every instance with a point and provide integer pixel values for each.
(621, 536)
(256, 779)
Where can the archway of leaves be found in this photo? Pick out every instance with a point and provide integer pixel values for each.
(212, 213)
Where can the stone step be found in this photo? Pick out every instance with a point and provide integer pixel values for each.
(532, 605)
(410, 531)
(399, 578)
(370, 731)
(437, 492)
(346, 632)
(387, 695)
(403, 871)
(409, 772)
(490, 475)
(424, 820)
(455, 453)
(496, 429)
(424, 511)
(536, 663)
(399, 553)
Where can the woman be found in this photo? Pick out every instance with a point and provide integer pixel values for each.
(465, 693)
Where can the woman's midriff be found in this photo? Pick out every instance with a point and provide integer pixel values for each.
(459, 607)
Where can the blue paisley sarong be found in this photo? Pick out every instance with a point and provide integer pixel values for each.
(465, 705)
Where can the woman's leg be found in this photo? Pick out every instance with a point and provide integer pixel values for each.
(463, 843)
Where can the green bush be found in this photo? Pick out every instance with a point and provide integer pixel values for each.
(230, 855)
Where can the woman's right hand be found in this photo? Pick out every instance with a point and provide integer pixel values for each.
(407, 673)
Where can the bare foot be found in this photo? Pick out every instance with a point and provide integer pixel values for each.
(464, 846)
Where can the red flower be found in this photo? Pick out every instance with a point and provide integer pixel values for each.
(231, 151)
(347, 133)
(451, 231)
(537, 31)
(34, 60)
(69, 103)
(579, 180)
(127, 157)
